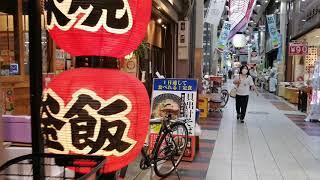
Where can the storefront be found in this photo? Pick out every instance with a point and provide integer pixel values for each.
(303, 52)
(156, 54)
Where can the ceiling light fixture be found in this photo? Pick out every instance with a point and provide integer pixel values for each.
(159, 20)
(266, 1)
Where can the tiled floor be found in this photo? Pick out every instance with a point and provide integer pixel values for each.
(195, 170)
(275, 143)
(311, 128)
(282, 106)
(269, 146)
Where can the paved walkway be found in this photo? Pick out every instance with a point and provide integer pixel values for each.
(275, 143)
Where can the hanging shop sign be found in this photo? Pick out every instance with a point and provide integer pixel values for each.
(273, 31)
(96, 112)
(214, 13)
(298, 48)
(280, 49)
(181, 94)
(224, 35)
(111, 28)
(240, 13)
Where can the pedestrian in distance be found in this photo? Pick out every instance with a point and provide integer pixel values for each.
(253, 74)
(244, 83)
(230, 73)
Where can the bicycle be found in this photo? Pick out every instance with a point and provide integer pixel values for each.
(224, 93)
(225, 97)
(170, 146)
(56, 166)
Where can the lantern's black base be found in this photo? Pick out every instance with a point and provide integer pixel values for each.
(97, 62)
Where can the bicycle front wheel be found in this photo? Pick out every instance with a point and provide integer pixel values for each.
(170, 149)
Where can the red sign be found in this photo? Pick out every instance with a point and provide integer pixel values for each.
(111, 28)
(297, 48)
(96, 112)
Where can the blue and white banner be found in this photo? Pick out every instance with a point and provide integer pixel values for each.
(273, 31)
(279, 55)
(224, 35)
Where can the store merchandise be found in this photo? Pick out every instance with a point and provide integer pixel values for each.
(315, 102)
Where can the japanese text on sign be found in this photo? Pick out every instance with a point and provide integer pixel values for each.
(273, 31)
(298, 48)
(174, 85)
(113, 15)
(88, 124)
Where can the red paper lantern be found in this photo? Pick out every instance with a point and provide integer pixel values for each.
(96, 112)
(111, 28)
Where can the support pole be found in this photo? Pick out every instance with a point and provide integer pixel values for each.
(35, 63)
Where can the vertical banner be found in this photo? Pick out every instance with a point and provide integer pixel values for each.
(240, 13)
(214, 13)
(279, 55)
(273, 31)
(182, 95)
(224, 35)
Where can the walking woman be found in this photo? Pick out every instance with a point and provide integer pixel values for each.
(244, 84)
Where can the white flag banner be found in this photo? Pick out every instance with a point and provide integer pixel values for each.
(214, 12)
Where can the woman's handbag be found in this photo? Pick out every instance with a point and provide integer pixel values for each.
(233, 92)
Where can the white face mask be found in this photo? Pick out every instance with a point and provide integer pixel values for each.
(244, 71)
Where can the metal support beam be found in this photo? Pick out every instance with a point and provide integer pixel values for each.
(35, 63)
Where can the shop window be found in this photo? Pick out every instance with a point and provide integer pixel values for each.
(7, 55)
(44, 43)
(14, 39)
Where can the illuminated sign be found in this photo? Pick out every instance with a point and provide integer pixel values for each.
(96, 112)
(111, 28)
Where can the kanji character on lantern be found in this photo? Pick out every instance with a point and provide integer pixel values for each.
(97, 126)
(113, 15)
(50, 124)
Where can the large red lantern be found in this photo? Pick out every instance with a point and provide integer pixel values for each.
(96, 112)
(111, 28)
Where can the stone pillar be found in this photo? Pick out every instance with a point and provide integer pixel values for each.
(198, 68)
(283, 32)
